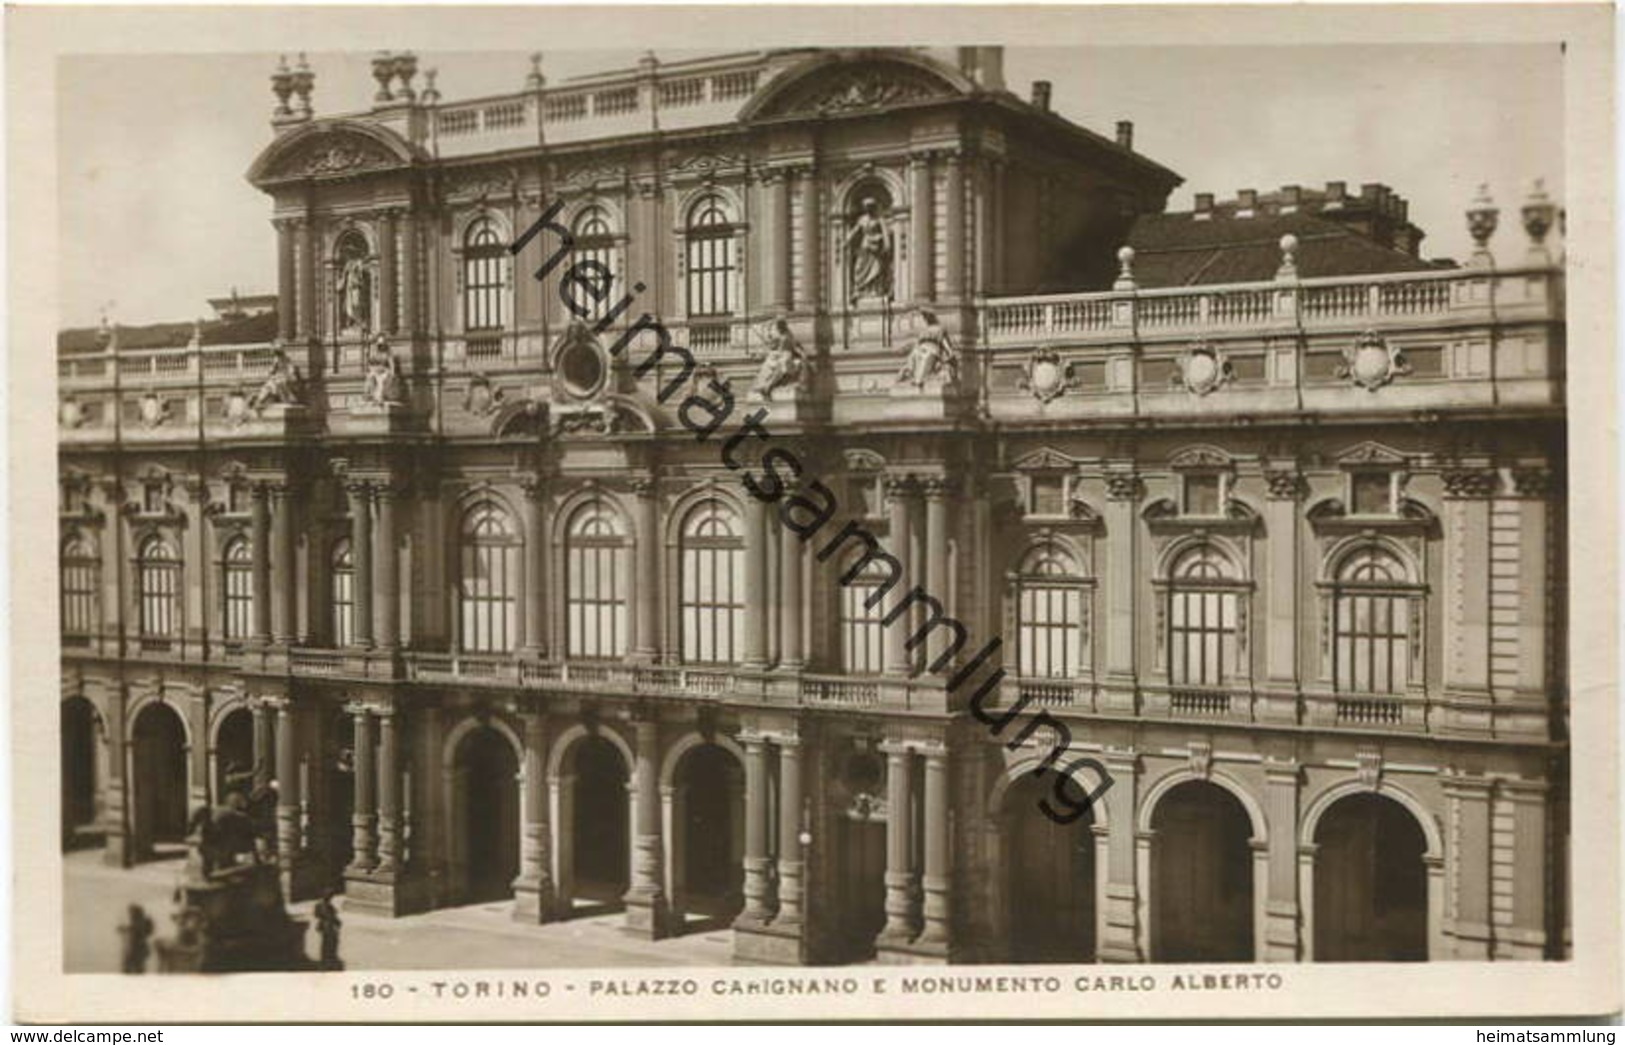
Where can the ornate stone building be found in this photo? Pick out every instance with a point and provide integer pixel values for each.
(1266, 519)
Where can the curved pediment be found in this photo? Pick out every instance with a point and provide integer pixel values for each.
(856, 81)
(341, 149)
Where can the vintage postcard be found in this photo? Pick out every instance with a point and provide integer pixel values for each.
(802, 513)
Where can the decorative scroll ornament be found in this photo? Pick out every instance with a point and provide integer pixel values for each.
(1204, 369)
(1372, 362)
(1046, 376)
(870, 90)
(154, 411)
(1370, 768)
(342, 157)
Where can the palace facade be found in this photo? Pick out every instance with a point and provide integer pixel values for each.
(1264, 509)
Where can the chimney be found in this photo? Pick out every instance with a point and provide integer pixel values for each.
(1370, 191)
(1125, 134)
(1246, 201)
(1204, 207)
(1041, 92)
(1336, 193)
(1291, 197)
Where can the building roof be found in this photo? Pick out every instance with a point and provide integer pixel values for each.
(1177, 250)
(247, 330)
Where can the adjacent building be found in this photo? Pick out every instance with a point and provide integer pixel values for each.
(1250, 518)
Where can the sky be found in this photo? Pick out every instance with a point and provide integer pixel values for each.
(156, 216)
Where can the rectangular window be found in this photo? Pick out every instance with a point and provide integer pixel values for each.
(152, 498)
(239, 587)
(710, 275)
(861, 629)
(343, 606)
(81, 594)
(1048, 623)
(595, 602)
(1373, 643)
(158, 584)
(488, 598)
(1372, 493)
(1047, 495)
(713, 604)
(1201, 636)
(1201, 495)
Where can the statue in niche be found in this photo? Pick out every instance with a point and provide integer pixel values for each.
(354, 288)
(784, 364)
(933, 357)
(383, 385)
(869, 250)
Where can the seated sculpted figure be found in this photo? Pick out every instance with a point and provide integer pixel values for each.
(383, 375)
(784, 364)
(933, 357)
(281, 384)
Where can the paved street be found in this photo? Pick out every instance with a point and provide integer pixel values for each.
(478, 937)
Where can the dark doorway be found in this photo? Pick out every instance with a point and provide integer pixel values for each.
(159, 769)
(599, 833)
(80, 757)
(860, 854)
(710, 799)
(1050, 875)
(336, 806)
(233, 751)
(487, 812)
(1371, 892)
(1202, 870)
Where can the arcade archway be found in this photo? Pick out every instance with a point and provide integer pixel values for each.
(1371, 896)
(1049, 875)
(1202, 876)
(485, 803)
(159, 779)
(708, 817)
(81, 771)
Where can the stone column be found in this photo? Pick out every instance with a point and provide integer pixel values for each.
(937, 580)
(920, 246)
(755, 653)
(953, 265)
(811, 242)
(1122, 491)
(533, 892)
(361, 554)
(790, 862)
(386, 272)
(263, 715)
(1281, 592)
(757, 909)
(899, 846)
(792, 601)
(287, 322)
(535, 521)
(646, 906)
(894, 653)
(288, 795)
(307, 280)
(387, 572)
(1281, 901)
(365, 818)
(779, 246)
(260, 526)
(938, 873)
(389, 795)
(1467, 594)
(284, 583)
(646, 579)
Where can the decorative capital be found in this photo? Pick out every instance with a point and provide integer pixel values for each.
(1284, 484)
(1123, 486)
(644, 485)
(899, 487)
(1470, 483)
(1537, 481)
(936, 487)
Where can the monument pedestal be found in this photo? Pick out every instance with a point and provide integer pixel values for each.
(233, 920)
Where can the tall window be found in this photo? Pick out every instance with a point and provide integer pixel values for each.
(1372, 623)
(158, 586)
(1202, 619)
(487, 597)
(1049, 613)
(713, 588)
(81, 586)
(342, 592)
(861, 630)
(485, 265)
(595, 241)
(237, 566)
(710, 259)
(596, 582)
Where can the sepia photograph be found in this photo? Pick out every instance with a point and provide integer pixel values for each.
(1004, 525)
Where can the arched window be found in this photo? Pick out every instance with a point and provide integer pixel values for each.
(711, 263)
(713, 585)
(489, 582)
(237, 581)
(596, 582)
(1372, 616)
(342, 592)
(485, 270)
(1049, 613)
(595, 242)
(1203, 602)
(861, 628)
(158, 587)
(81, 586)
